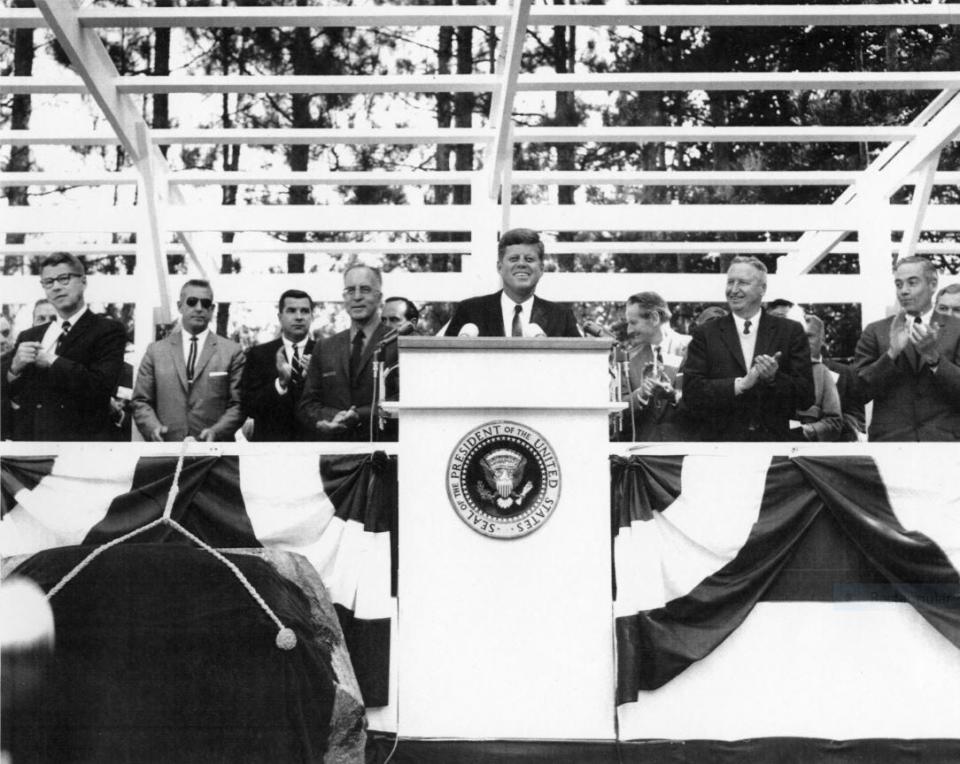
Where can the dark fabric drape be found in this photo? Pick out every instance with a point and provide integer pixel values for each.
(20, 473)
(162, 655)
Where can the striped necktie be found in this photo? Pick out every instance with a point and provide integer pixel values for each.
(64, 331)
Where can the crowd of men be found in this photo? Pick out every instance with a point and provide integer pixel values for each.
(745, 373)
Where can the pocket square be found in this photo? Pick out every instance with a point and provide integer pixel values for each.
(218, 373)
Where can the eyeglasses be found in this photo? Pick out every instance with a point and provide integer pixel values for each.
(363, 290)
(63, 279)
(205, 302)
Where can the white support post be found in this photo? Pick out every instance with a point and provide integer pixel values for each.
(940, 113)
(479, 268)
(501, 109)
(918, 206)
(876, 284)
(153, 235)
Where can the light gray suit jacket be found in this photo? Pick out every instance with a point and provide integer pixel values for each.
(162, 395)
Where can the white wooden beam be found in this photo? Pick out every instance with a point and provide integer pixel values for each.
(411, 136)
(481, 83)
(392, 15)
(321, 177)
(918, 206)
(815, 245)
(767, 218)
(500, 151)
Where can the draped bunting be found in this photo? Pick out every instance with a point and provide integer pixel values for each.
(699, 541)
(340, 515)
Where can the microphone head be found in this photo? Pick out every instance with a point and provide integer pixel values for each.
(534, 330)
(406, 329)
(592, 329)
(469, 330)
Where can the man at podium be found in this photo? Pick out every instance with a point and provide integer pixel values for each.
(514, 311)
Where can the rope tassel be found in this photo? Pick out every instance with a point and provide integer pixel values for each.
(286, 638)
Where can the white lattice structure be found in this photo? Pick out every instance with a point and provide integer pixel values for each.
(165, 210)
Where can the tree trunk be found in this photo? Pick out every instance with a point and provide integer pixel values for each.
(564, 59)
(298, 156)
(19, 160)
(161, 68)
(463, 106)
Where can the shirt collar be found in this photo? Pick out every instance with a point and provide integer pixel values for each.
(507, 304)
(73, 318)
(754, 321)
(368, 328)
(201, 337)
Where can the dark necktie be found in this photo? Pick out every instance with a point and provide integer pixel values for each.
(746, 326)
(516, 330)
(64, 330)
(192, 358)
(356, 353)
(296, 366)
(658, 355)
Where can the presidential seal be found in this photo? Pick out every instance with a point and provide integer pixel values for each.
(503, 479)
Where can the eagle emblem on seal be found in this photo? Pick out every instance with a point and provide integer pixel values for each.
(503, 471)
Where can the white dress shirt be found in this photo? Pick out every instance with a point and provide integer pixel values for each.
(507, 309)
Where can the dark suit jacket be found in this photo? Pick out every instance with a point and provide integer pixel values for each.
(851, 400)
(762, 413)
(555, 319)
(163, 396)
(71, 399)
(274, 415)
(329, 387)
(911, 402)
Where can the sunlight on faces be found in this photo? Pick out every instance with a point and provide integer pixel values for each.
(295, 317)
(361, 294)
(66, 298)
(745, 289)
(520, 268)
(195, 318)
(914, 290)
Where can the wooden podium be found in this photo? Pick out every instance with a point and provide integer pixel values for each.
(505, 636)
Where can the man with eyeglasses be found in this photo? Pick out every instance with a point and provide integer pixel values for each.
(188, 385)
(514, 311)
(63, 373)
(909, 363)
(746, 373)
(338, 395)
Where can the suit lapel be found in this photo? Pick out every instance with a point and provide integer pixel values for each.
(496, 312)
(369, 349)
(179, 363)
(75, 333)
(209, 348)
(765, 335)
(728, 335)
(538, 315)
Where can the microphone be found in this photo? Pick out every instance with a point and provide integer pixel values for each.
(593, 329)
(391, 336)
(469, 330)
(534, 330)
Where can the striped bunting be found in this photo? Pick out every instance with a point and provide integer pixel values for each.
(794, 589)
(338, 515)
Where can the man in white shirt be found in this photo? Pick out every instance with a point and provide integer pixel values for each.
(909, 364)
(747, 372)
(515, 311)
(63, 373)
(188, 384)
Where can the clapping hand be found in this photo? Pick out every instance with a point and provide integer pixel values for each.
(899, 335)
(284, 369)
(767, 366)
(924, 339)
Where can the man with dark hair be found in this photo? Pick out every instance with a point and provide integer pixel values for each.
(747, 372)
(909, 363)
(188, 384)
(400, 314)
(63, 373)
(515, 311)
(338, 396)
(779, 307)
(274, 373)
(948, 301)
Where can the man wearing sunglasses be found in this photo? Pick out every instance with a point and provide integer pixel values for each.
(63, 373)
(338, 395)
(188, 384)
